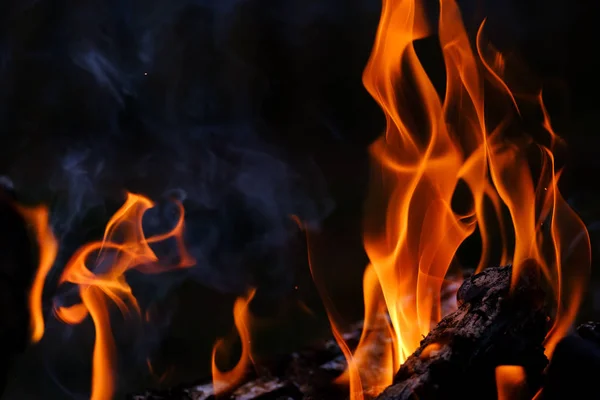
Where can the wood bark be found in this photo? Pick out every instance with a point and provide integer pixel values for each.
(491, 327)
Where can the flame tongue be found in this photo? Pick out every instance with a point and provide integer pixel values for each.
(226, 381)
(38, 219)
(412, 231)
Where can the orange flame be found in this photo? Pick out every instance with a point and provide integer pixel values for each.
(48, 247)
(352, 374)
(432, 150)
(223, 381)
(98, 269)
(510, 381)
(375, 342)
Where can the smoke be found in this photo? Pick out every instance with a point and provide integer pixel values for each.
(151, 97)
(163, 98)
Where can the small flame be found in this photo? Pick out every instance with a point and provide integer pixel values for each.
(510, 381)
(37, 217)
(98, 270)
(352, 375)
(432, 150)
(224, 381)
(159, 378)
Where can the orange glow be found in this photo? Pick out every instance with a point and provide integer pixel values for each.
(430, 350)
(48, 247)
(98, 269)
(223, 381)
(375, 343)
(510, 381)
(440, 151)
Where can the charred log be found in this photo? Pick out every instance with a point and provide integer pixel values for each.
(575, 365)
(304, 374)
(265, 388)
(491, 327)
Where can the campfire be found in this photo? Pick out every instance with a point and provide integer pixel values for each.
(459, 164)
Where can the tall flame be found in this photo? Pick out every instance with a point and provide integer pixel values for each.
(431, 149)
(98, 271)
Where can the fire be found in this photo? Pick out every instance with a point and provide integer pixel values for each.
(510, 380)
(432, 150)
(48, 247)
(98, 271)
(436, 152)
(224, 381)
(376, 342)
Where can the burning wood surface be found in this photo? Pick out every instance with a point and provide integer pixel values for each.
(490, 329)
(310, 373)
(461, 357)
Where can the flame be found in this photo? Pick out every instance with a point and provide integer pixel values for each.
(510, 381)
(375, 342)
(223, 381)
(352, 374)
(37, 217)
(432, 150)
(98, 271)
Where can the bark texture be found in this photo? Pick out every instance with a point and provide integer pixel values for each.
(491, 327)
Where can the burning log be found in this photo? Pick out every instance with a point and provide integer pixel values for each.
(304, 374)
(491, 327)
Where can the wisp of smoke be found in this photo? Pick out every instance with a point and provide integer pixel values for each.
(162, 98)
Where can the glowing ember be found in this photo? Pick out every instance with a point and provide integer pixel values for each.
(510, 380)
(412, 231)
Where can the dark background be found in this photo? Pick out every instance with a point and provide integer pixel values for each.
(256, 110)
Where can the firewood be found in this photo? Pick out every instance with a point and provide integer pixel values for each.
(491, 327)
(303, 374)
(264, 388)
(575, 365)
